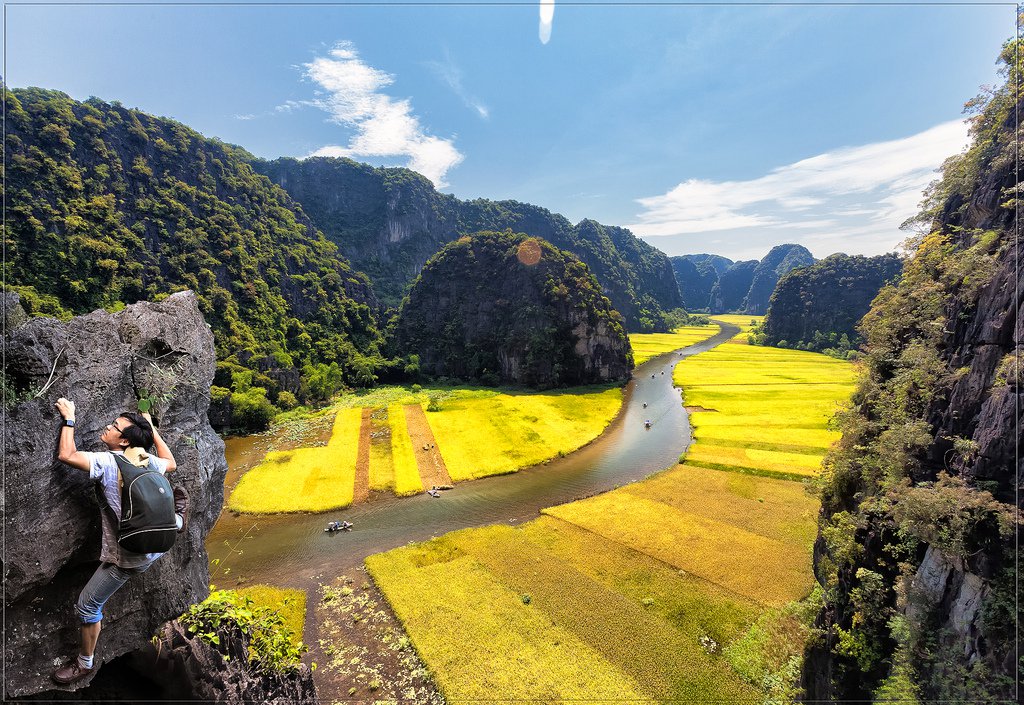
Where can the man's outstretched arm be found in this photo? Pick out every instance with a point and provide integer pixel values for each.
(162, 450)
(66, 450)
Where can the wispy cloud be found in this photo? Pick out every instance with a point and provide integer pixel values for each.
(451, 75)
(847, 194)
(246, 116)
(290, 106)
(384, 126)
(547, 17)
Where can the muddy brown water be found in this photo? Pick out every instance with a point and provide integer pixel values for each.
(292, 550)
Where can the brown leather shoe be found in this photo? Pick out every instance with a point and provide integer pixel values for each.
(181, 505)
(71, 672)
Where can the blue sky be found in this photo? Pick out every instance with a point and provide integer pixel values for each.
(723, 129)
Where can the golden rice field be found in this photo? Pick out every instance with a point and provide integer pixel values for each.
(762, 410)
(304, 479)
(493, 434)
(652, 589)
(648, 345)
(406, 474)
(478, 432)
(744, 320)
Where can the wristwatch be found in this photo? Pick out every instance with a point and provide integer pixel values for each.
(70, 423)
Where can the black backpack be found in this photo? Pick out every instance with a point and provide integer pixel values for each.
(148, 523)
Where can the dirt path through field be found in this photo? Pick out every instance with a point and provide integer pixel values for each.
(428, 458)
(361, 492)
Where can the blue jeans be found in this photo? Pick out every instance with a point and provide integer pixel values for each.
(103, 583)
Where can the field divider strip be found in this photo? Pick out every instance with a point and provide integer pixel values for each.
(742, 470)
(433, 470)
(361, 483)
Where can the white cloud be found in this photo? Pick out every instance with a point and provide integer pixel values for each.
(246, 116)
(292, 105)
(384, 126)
(858, 195)
(547, 17)
(451, 75)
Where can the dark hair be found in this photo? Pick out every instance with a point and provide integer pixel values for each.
(140, 433)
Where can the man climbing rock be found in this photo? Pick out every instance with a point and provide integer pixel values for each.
(128, 439)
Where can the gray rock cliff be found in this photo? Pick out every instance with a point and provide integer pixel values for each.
(101, 361)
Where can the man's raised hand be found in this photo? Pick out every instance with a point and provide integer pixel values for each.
(66, 407)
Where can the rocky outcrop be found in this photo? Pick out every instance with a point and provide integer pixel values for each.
(695, 282)
(826, 299)
(732, 287)
(389, 222)
(780, 260)
(922, 599)
(103, 362)
(715, 262)
(504, 307)
(183, 663)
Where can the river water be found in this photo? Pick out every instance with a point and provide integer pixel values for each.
(292, 550)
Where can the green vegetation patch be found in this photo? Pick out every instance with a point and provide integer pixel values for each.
(289, 603)
(273, 646)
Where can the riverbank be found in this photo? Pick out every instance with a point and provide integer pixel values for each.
(292, 550)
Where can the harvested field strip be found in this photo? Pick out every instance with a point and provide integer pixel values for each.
(382, 469)
(361, 484)
(618, 628)
(785, 511)
(479, 638)
(648, 345)
(764, 569)
(689, 603)
(304, 479)
(403, 457)
(431, 465)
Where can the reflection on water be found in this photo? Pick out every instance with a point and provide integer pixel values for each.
(293, 551)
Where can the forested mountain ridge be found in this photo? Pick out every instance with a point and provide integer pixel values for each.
(729, 293)
(919, 523)
(779, 261)
(390, 221)
(695, 281)
(109, 206)
(818, 307)
(718, 285)
(509, 307)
